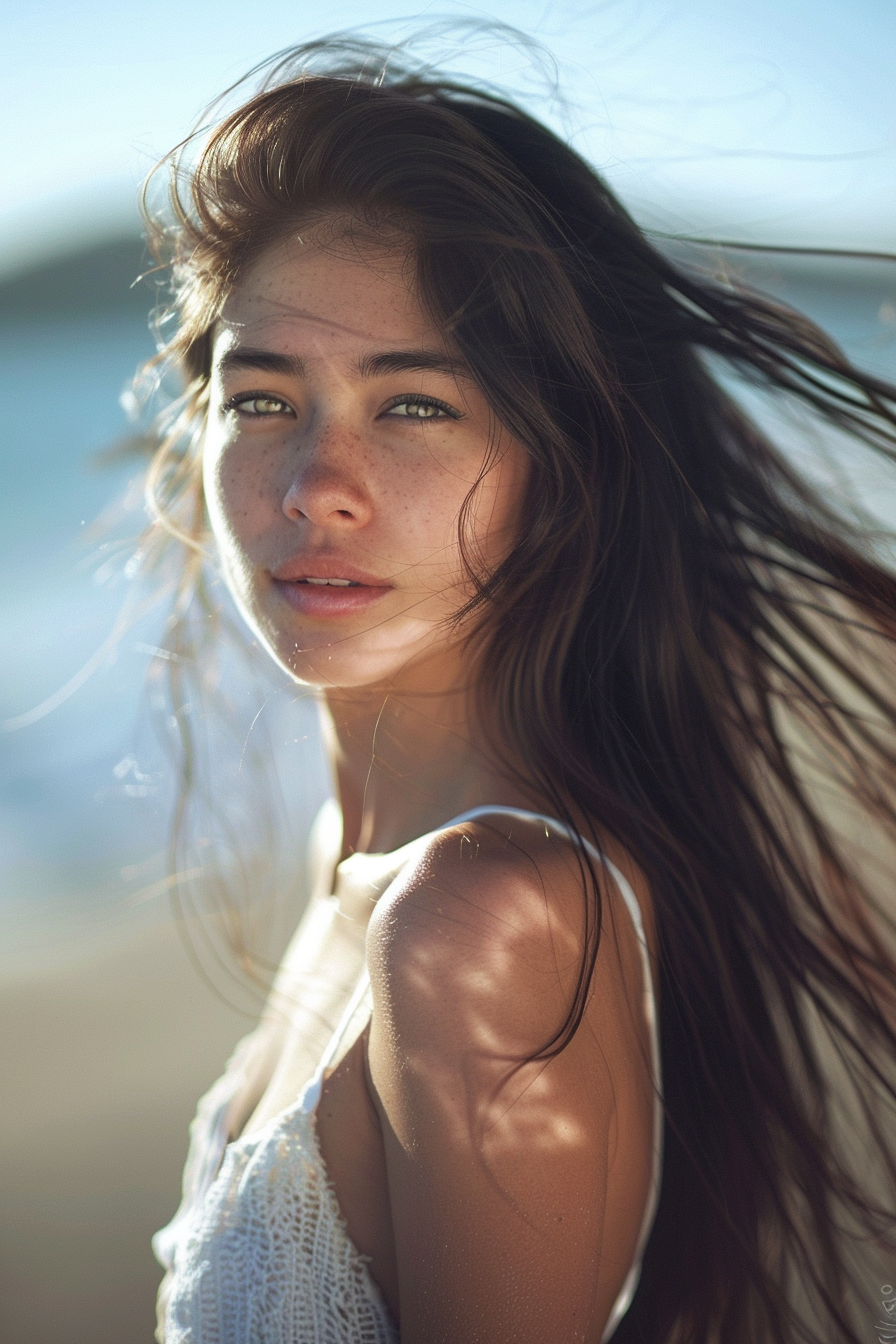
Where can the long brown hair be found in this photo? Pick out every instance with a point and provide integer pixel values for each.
(688, 646)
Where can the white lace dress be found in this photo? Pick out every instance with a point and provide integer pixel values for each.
(258, 1252)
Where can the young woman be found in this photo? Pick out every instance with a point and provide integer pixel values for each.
(608, 692)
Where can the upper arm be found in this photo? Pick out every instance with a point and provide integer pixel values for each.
(505, 1172)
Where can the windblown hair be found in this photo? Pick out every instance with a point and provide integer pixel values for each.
(687, 646)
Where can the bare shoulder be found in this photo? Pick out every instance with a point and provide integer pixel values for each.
(495, 913)
(518, 1176)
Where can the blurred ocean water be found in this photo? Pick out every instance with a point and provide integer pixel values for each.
(85, 790)
(62, 376)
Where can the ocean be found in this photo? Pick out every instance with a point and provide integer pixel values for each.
(86, 787)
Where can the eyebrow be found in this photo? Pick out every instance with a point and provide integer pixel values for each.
(368, 366)
(409, 361)
(267, 361)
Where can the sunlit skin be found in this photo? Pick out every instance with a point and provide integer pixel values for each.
(343, 439)
(341, 464)
(320, 457)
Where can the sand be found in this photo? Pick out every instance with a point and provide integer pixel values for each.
(103, 1053)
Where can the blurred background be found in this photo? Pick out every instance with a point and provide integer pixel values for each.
(773, 123)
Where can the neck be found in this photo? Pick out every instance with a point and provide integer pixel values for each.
(409, 756)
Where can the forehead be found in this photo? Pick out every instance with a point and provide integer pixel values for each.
(327, 298)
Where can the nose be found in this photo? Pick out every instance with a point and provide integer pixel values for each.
(326, 485)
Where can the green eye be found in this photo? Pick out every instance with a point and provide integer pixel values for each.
(253, 404)
(422, 408)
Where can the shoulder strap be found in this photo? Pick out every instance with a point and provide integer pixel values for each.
(625, 888)
(311, 1094)
(624, 1299)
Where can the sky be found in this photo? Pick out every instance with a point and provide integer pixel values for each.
(772, 121)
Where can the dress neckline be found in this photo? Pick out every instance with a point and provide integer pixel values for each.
(375, 871)
(387, 862)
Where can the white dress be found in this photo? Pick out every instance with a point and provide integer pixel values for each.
(258, 1252)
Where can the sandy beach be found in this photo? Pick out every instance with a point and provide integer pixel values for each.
(103, 1055)
(108, 1035)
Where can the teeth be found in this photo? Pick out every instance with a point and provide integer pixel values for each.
(335, 583)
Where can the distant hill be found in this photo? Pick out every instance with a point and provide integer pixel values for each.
(98, 278)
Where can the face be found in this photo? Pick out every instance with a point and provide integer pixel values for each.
(343, 438)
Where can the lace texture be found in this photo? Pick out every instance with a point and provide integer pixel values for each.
(259, 1252)
(266, 1257)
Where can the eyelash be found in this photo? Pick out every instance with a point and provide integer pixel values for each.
(243, 398)
(419, 399)
(415, 399)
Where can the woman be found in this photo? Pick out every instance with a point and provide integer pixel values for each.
(608, 695)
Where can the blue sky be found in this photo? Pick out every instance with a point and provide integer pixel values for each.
(771, 120)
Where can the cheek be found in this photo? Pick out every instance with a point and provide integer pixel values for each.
(417, 503)
(497, 513)
(426, 500)
(237, 492)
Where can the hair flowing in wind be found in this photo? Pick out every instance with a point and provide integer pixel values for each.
(688, 648)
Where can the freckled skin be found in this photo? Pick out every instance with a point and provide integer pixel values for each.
(336, 472)
(491, 1207)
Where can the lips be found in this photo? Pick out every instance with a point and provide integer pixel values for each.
(327, 588)
(335, 583)
(323, 568)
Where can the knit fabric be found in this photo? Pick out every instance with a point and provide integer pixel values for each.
(266, 1257)
(259, 1252)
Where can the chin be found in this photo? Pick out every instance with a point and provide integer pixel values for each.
(330, 668)
(329, 661)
